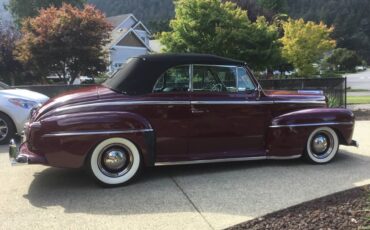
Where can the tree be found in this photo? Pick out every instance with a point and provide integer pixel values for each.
(210, 26)
(22, 9)
(9, 66)
(305, 43)
(276, 6)
(343, 59)
(65, 42)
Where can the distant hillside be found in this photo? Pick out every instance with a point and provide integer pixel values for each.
(351, 18)
(145, 10)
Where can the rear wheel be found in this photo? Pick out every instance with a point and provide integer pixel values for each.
(115, 161)
(322, 145)
(7, 129)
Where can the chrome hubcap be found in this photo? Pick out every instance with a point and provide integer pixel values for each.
(3, 129)
(322, 145)
(115, 160)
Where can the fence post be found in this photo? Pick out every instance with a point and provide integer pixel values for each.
(345, 92)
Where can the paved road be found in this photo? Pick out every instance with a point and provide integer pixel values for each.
(187, 197)
(359, 80)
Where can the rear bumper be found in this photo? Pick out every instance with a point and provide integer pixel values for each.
(19, 154)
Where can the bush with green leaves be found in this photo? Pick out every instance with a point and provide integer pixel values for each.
(211, 26)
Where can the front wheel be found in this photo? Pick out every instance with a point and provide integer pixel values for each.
(322, 145)
(115, 161)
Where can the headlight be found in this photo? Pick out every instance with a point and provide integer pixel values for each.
(23, 103)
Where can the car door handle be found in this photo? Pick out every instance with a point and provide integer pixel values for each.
(197, 111)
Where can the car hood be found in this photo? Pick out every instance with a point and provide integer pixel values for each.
(24, 94)
(293, 95)
(78, 96)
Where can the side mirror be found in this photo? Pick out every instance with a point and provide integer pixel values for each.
(259, 92)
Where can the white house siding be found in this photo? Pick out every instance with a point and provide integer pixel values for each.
(143, 35)
(122, 53)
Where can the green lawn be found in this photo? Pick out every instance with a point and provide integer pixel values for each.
(358, 99)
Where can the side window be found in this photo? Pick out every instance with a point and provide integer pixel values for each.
(245, 82)
(214, 79)
(175, 79)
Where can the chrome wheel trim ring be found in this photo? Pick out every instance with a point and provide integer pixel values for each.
(115, 160)
(322, 144)
(4, 129)
(331, 150)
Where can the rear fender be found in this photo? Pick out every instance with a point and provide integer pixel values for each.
(288, 133)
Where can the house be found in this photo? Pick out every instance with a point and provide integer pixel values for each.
(130, 38)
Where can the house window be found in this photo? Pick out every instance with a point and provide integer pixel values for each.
(117, 65)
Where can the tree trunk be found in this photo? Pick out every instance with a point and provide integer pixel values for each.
(73, 78)
(12, 80)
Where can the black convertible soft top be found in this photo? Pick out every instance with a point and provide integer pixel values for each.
(139, 75)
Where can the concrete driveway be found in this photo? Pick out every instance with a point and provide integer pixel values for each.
(187, 197)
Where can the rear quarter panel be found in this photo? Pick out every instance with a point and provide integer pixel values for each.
(288, 133)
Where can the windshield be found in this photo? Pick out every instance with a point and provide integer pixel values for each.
(4, 86)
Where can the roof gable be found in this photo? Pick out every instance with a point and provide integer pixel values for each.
(141, 26)
(118, 19)
(131, 40)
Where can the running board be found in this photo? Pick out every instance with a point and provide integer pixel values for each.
(227, 160)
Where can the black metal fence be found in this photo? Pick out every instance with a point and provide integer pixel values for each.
(334, 88)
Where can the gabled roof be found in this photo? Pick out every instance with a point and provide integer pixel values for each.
(118, 35)
(141, 26)
(118, 19)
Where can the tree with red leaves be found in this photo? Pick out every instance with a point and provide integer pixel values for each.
(67, 42)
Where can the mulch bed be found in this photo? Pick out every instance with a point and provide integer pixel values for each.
(345, 210)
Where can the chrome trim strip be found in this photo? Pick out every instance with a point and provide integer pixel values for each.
(283, 157)
(300, 102)
(83, 133)
(227, 160)
(102, 103)
(312, 124)
(232, 102)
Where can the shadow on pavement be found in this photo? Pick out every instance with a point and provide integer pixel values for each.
(217, 187)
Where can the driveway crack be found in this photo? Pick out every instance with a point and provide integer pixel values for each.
(190, 201)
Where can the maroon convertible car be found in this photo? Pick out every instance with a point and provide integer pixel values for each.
(180, 109)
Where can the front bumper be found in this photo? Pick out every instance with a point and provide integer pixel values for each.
(354, 143)
(19, 154)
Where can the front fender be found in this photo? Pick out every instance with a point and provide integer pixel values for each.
(66, 140)
(288, 133)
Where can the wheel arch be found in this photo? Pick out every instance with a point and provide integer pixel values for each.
(288, 133)
(60, 132)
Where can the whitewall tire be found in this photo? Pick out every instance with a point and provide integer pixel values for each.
(322, 145)
(115, 161)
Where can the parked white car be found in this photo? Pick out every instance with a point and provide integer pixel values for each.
(15, 108)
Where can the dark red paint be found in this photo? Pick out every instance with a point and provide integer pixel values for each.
(182, 132)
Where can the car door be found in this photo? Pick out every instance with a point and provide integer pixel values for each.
(227, 120)
(169, 114)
